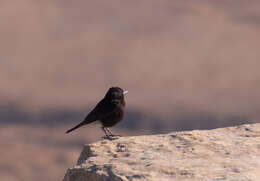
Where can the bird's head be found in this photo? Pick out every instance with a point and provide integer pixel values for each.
(115, 93)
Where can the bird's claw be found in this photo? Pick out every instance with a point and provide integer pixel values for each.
(111, 137)
(117, 135)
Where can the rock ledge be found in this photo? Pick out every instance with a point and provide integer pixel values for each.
(222, 154)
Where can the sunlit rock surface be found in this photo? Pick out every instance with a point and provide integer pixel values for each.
(222, 154)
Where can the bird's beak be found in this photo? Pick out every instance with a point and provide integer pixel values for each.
(125, 92)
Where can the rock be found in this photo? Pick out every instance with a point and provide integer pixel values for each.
(222, 154)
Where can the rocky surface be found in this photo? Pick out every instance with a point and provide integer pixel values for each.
(222, 154)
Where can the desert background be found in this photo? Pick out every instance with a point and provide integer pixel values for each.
(186, 64)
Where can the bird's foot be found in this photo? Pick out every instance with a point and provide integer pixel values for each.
(116, 135)
(110, 137)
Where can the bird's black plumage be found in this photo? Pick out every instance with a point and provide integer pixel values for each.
(109, 111)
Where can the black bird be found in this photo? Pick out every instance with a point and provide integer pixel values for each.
(109, 111)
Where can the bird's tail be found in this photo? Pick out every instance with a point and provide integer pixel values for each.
(72, 129)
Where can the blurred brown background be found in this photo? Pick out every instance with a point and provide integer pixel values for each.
(186, 64)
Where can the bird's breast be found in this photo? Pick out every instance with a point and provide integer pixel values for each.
(113, 118)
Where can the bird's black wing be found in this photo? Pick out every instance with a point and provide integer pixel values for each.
(102, 109)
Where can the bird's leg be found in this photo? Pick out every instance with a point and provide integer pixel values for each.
(107, 135)
(105, 131)
(110, 132)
